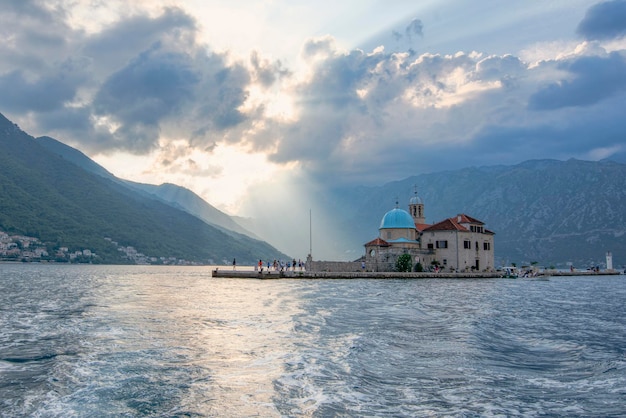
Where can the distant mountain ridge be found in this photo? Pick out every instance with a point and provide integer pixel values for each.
(548, 211)
(54, 199)
(168, 193)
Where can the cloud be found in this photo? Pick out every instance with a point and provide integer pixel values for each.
(569, 132)
(145, 81)
(33, 34)
(174, 87)
(605, 20)
(35, 72)
(265, 72)
(45, 93)
(117, 44)
(372, 117)
(162, 91)
(151, 87)
(592, 79)
(416, 27)
(378, 109)
(318, 48)
(130, 86)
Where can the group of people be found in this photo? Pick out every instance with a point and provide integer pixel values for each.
(279, 265)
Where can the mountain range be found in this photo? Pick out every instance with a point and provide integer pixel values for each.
(56, 194)
(551, 212)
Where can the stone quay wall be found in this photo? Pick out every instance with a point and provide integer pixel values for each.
(336, 266)
(349, 266)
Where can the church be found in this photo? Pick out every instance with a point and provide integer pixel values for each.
(457, 244)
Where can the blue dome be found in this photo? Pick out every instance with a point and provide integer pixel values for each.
(397, 219)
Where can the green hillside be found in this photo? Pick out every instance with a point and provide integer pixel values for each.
(46, 197)
(170, 194)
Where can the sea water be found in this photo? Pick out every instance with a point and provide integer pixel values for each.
(104, 341)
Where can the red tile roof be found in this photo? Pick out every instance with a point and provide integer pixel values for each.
(449, 224)
(454, 223)
(378, 242)
(421, 227)
(466, 219)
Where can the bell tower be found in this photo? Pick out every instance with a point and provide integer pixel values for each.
(416, 209)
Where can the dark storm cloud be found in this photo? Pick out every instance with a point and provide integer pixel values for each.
(145, 79)
(78, 122)
(78, 118)
(500, 142)
(120, 42)
(200, 93)
(606, 20)
(32, 9)
(333, 110)
(138, 32)
(150, 87)
(379, 116)
(126, 85)
(329, 100)
(594, 79)
(38, 74)
(583, 133)
(49, 90)
(334, 83)
(17, 94)
(33, 36)
(173, 84)
(221, 91)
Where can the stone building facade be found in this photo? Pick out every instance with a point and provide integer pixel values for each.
(460, 243)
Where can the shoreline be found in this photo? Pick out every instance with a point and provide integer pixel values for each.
(268, 275)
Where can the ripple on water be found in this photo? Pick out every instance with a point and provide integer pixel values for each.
(145, 341)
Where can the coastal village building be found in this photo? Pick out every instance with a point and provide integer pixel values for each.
(460, 243)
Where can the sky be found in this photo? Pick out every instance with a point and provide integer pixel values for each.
(265, 103)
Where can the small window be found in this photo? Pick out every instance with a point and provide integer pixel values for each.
(442, 244)
(445, 261)
(431, 246)
(486, 246)
(467, 245)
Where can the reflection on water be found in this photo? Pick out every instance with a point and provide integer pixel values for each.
(167, 341)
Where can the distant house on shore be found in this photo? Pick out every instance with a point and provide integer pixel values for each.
(460, 243)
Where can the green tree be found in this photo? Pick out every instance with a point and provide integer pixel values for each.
(404, 263)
